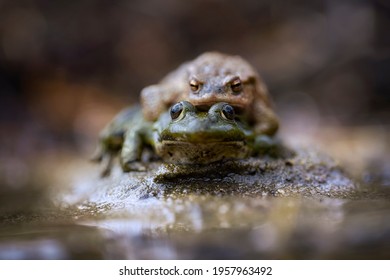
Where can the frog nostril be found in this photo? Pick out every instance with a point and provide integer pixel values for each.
(213, 119)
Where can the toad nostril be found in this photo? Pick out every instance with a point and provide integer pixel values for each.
(220, 90)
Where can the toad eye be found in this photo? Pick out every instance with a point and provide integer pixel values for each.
(236, 86)
(176, 111)
(227, 112)
(194, 85)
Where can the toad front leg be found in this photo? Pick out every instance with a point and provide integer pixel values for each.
(156, 99)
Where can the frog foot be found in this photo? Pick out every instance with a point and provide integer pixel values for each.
(104, 157)
(272, 146)
(129, 166)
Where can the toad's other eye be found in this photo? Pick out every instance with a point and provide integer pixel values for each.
(176, 111)
(194, 85)
(236, 86)
(227, 112)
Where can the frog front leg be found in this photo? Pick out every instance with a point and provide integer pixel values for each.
(132, 150)
(266, 145)
(105, 157)
(112, 137)
(110, 143)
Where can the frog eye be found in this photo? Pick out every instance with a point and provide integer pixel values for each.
(227, 112)
(176, 111)
(194, 84)
(236, 86)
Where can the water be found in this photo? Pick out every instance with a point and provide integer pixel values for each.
(132, 216)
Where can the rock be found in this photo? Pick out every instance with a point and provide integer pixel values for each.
(303, 173)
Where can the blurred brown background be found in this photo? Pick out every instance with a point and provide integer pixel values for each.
(66, 67)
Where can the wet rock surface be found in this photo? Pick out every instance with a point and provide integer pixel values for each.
(298, 206)
(299, 173)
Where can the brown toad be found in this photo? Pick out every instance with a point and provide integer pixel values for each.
(211, 78)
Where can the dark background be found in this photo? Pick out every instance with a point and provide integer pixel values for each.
(66, 67)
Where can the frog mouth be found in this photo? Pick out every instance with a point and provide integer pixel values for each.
(185, 152)
(202, 143)
(201, 139)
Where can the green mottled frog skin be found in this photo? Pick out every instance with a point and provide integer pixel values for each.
(183, 135)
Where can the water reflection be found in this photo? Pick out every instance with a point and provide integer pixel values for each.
(208, 227)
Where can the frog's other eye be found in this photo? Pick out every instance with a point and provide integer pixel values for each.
(194, 85)
(236, 86)
(176, 111)
(227, 112)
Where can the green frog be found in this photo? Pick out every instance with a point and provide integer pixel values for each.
(183, 135)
